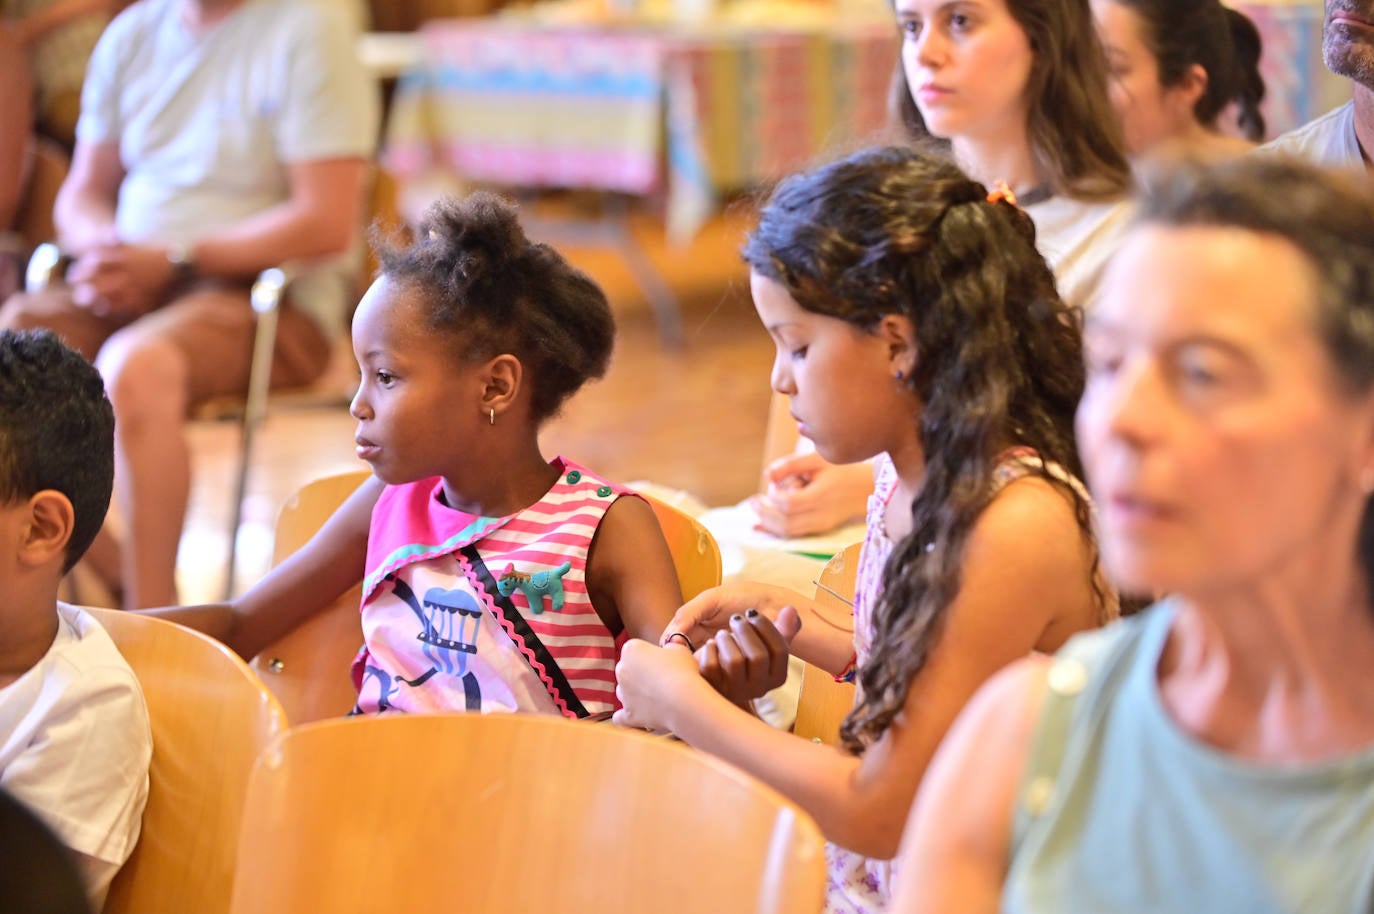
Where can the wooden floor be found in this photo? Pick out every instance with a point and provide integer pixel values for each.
(691, 418)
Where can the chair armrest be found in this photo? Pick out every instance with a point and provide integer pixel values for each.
(47, 265)
(268, 289)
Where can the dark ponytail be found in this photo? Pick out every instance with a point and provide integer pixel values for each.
(1246, 42)
(1223, 41)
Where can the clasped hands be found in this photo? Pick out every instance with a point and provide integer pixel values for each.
(120, 280)
(740, 633)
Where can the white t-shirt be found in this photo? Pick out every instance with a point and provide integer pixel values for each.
(75, 746)
(207, 123)
(1076, 238)
(1329, 140)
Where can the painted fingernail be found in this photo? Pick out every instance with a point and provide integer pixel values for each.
(736, 618)
(752, 613)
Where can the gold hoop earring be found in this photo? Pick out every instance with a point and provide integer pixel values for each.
(492, 415)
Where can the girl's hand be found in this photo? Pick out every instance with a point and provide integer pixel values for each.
(710, 611)
(654, 682)
(805, 495)
(749, 658)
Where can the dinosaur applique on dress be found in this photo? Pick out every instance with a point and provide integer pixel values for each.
(535, 586)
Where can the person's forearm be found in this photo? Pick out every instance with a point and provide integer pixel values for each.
(16, 107)
(84, 220)
(217, 620)
(821, 779)
(288, 231)
(820, 644)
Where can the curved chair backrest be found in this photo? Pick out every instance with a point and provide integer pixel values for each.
(515, 812)
(696, 555)
(307, 669)
(210, 718)
(823, 703)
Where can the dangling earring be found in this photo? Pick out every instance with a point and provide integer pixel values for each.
(492, 415)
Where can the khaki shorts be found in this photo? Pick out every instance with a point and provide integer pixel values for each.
(212, 324)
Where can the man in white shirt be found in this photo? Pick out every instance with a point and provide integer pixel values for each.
(1341, 137)
(217, 138)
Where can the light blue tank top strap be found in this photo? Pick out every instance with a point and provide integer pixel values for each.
(1121, 810)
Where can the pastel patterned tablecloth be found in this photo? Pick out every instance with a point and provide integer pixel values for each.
(690, 115)
(1299, 87)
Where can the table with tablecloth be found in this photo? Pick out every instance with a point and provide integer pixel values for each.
(686, 113)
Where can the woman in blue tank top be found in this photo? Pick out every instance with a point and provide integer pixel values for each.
(1215, 753)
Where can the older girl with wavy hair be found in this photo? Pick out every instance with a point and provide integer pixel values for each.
(915, 323)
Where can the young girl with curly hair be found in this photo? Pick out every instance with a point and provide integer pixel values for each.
(494, 579)
(915, 323)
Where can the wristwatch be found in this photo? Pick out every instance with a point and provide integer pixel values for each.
(183, 261)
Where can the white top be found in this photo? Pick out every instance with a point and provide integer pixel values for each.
(75, 746)
(1329, 140)
(1076, 238)
(207, 123)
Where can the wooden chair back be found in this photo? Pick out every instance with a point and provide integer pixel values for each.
(696, 554)
(823, 703)
(210, 718)
(308, 669)
(515, 812)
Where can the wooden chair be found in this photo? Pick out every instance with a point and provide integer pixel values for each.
(515, 812)
(696, 554)
(308, 668)
(823, 702)
(210, 718)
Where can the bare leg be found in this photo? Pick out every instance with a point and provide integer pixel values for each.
(146, 377)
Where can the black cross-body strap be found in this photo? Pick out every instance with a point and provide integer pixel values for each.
(551, 675)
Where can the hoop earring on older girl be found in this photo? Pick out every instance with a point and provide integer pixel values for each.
(492, 415)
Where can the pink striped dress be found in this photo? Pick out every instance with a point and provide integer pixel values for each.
(462, 612)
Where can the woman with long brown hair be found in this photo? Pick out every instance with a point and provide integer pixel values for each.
(1017, 90)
